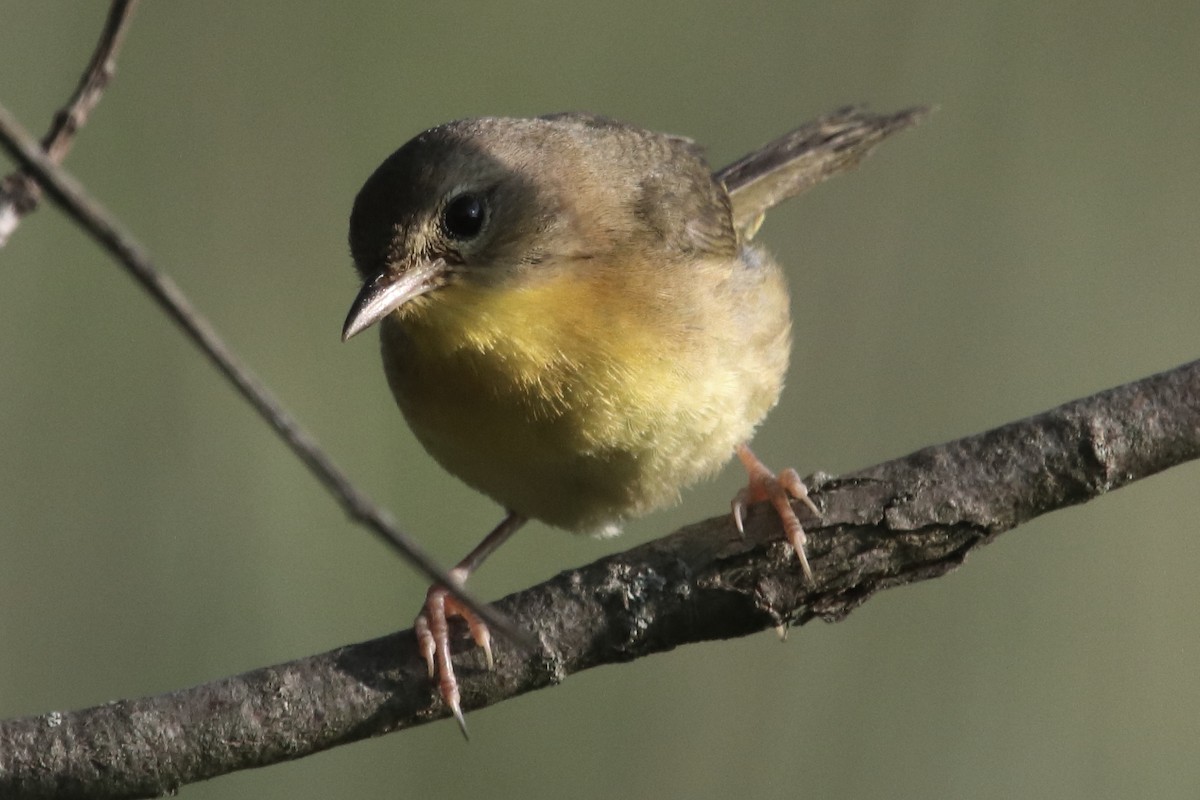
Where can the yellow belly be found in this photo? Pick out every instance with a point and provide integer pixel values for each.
(591, 395)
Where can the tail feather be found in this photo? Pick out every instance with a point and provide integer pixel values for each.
(803, 158)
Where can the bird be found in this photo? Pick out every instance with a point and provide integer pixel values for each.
(575, 320)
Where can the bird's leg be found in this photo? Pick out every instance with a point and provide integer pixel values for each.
(432, 626)
(779, 490)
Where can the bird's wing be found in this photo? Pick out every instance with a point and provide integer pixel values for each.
(805, 157)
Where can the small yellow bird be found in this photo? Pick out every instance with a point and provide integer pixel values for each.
(575, 322)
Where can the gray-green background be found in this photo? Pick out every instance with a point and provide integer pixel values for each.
(1035, 242)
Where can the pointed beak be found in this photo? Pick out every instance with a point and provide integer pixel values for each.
(390, 289)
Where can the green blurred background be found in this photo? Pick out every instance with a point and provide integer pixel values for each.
(1033, 243)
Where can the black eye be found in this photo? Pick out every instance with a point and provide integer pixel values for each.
(463, 216)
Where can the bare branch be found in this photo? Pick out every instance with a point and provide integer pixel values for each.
(896, 523)
(19, 193)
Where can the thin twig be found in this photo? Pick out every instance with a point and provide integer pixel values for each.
(897, 523)
(19, 193)
(105, 229)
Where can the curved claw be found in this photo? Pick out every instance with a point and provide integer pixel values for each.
(456, 710)
(738, 507)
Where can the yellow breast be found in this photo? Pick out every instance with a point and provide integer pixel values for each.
(589, 395)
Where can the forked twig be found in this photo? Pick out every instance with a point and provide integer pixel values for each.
(19, 193)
